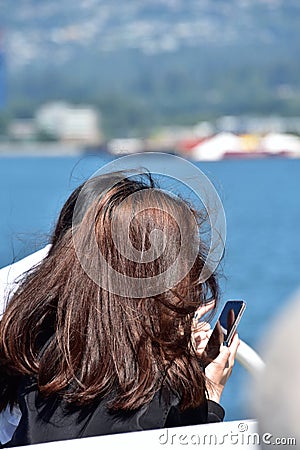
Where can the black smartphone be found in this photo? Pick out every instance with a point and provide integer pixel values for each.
(224, 329)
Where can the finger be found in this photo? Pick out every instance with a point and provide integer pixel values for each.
(200, 342)
(223, 357)
(200, 350)
(203, 326)
(233, 347)
(204, 309)
(200, 335)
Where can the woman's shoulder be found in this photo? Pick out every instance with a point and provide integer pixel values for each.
(51, 418)
(11, 275)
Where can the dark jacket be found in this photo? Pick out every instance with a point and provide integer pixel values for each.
(51, 419)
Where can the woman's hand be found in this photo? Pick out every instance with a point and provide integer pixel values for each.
(200, 336)
(219, 370)
(201, 330)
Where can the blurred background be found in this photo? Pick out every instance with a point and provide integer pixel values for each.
(214, 81)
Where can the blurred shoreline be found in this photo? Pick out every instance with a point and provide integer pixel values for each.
(118, 147)
(40, 149)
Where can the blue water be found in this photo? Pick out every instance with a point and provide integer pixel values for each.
(262, 204)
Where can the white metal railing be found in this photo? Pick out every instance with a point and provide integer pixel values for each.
(249, 359)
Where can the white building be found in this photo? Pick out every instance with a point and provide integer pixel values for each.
(216, 147)
(275, 143)
(22, 130)
(125, 146)
(68, 123)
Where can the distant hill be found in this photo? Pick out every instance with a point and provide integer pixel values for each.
(150, 62)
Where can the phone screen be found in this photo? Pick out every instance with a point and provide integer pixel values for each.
(224, 329)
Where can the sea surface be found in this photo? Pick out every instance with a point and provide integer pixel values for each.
(261, 199)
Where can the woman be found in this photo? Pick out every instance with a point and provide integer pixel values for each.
(86, 354)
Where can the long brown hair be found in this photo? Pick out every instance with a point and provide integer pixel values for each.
(81, 340)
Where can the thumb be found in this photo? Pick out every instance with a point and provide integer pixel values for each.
(223, 357)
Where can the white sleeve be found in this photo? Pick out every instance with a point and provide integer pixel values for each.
(9, 421)
(11, 276)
